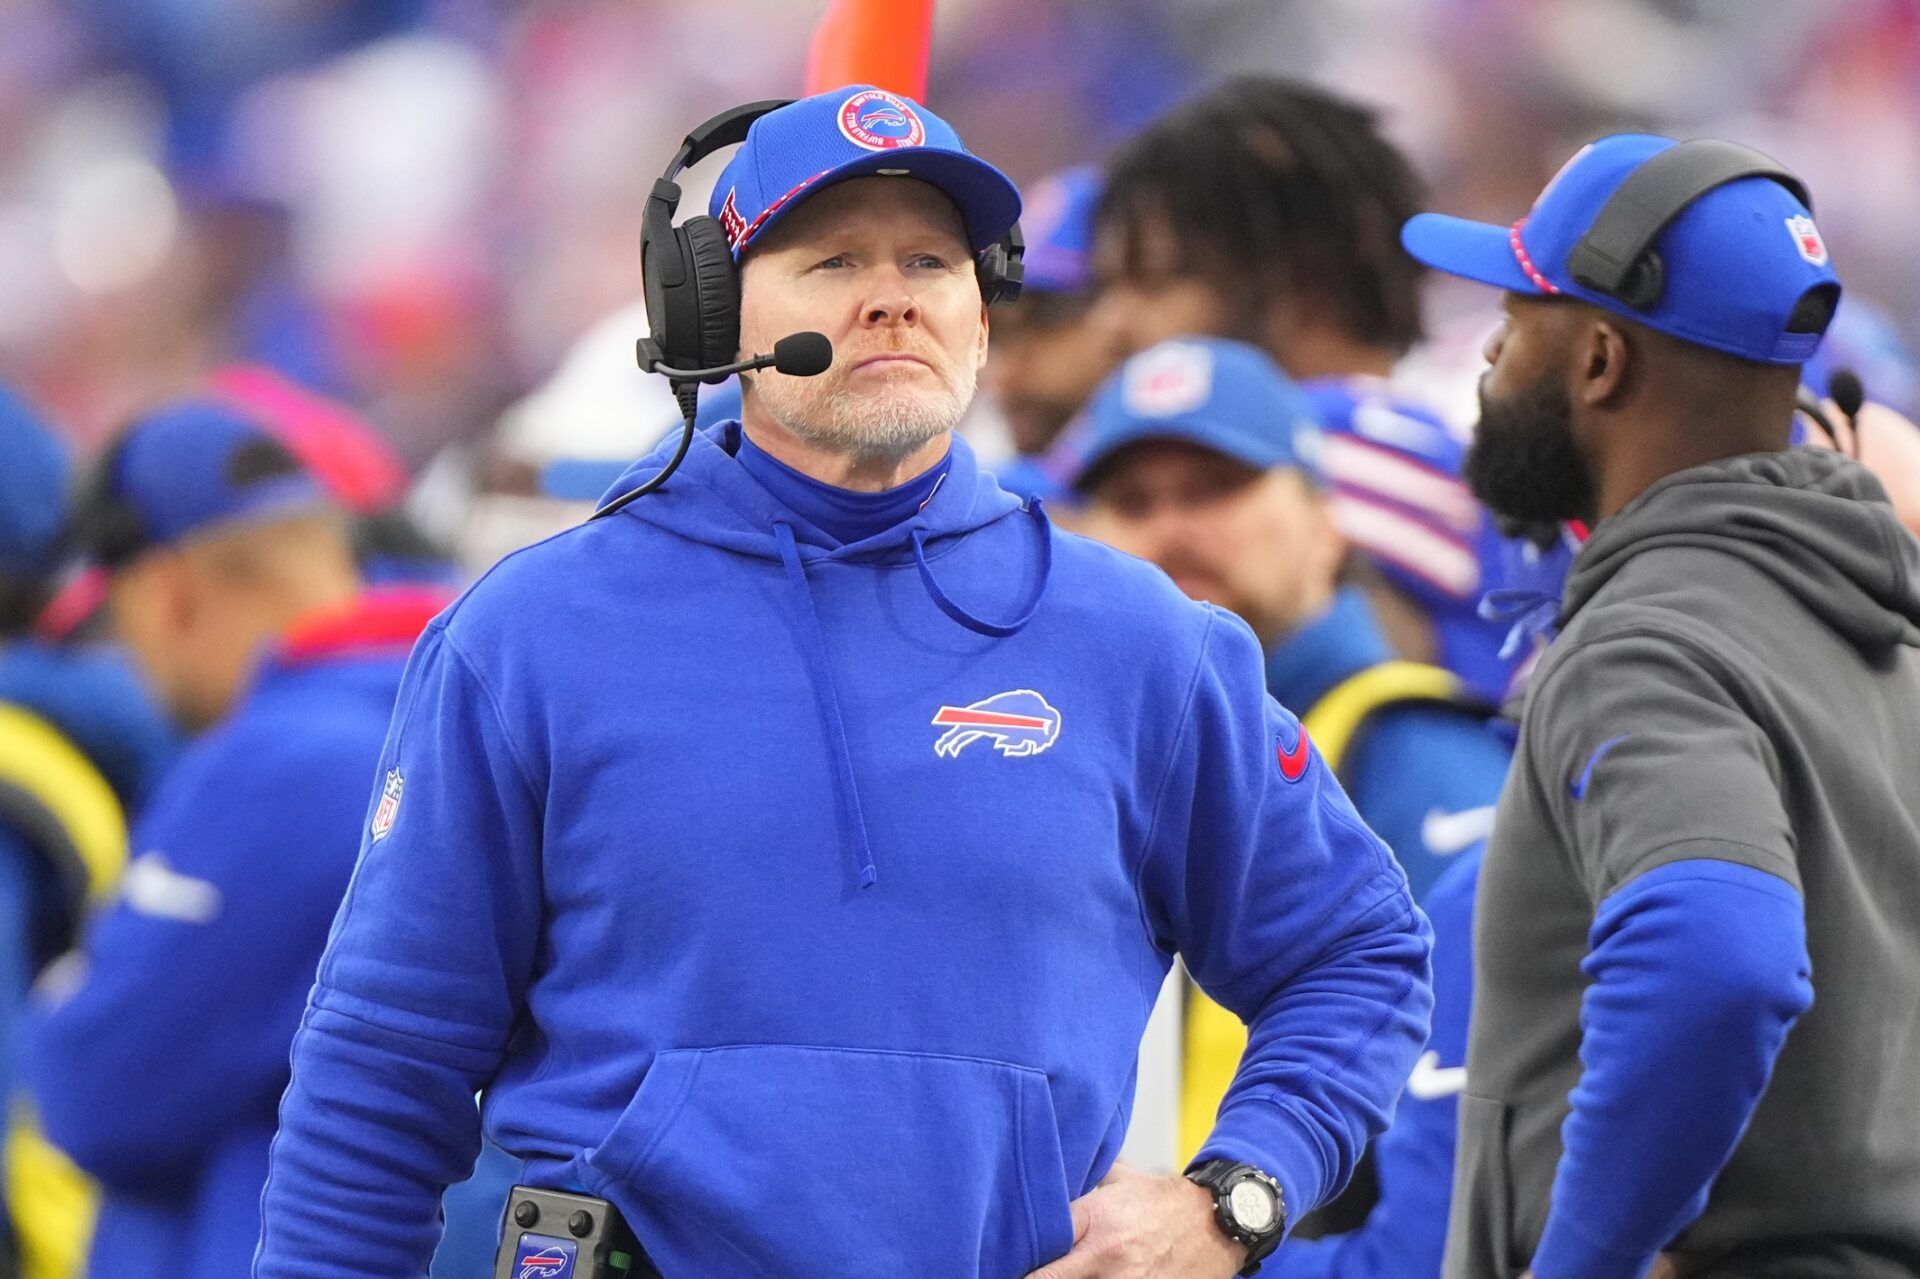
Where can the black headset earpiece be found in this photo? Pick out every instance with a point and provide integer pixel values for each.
(1002, 267)
(692, 289)
(1616, 256)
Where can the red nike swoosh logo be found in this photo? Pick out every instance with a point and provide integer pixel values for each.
(1293, 763)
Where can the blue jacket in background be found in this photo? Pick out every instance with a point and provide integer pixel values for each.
(1426, 777)
(158, 1056)
(807, 902)
(1405, 1236)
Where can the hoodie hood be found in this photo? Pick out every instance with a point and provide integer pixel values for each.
(1815, 521)
(712, 499)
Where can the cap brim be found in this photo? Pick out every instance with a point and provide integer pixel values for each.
(1472, 250)
(1226, 443)
(988, 201)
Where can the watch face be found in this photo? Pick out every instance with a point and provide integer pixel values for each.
(1253, 1206)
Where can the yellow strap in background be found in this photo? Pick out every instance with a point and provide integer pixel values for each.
(51, 1203)
(1213, 1039)
(37, 759)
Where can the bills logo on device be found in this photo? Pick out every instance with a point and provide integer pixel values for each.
(1806, 237)
(1017, 723)
(878, 121)
(545, 1257)
(389, 807)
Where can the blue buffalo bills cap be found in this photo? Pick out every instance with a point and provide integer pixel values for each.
(1058, 225)
(1737, 261)
(1221, 395)
(857, 131)
(33, 490)
(185, 468)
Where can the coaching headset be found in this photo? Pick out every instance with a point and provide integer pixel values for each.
(693, 289)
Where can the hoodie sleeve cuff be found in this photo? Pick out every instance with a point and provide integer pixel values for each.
(1278, 1142)
(1566, 1253)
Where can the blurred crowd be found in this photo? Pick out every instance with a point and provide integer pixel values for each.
(419, 205)
(380, 256)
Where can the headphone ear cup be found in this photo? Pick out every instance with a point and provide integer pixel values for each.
(715, 289)
(1645, 283)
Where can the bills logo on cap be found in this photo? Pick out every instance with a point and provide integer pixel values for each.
(1806, 237)
(1017, 723)
(389, 805)
(878, 121)
(1173, 377)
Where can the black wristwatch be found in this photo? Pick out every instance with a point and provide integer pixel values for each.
(1248, 1205)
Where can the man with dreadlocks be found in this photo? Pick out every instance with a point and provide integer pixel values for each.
(1265, 211)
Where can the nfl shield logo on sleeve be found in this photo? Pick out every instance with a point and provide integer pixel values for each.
(389, 805)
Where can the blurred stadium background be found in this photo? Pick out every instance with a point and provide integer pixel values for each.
(418, 206)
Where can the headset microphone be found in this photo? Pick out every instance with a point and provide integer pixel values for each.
(797, 355)
(807, 354)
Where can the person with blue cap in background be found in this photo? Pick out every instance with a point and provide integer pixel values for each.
(1049, 348)
(156, 1053)
(81, 746)
(792, 852)
(1692, 1044)
(1200, 456)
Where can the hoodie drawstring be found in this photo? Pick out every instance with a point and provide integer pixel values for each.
(814, 643)
(1527, 612)
(978, 625)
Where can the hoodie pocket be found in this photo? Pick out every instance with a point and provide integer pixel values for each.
(1480, 1232)
(846, 1162)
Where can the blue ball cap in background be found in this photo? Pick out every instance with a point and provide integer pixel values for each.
(194, 464)
(1058, 225)
(1221, 395)
(856, 131)
(1737, 261)
(33, 490)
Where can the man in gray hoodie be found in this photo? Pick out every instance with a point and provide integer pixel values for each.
(1711, 835)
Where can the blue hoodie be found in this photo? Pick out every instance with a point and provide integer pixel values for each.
(1426, 777)
(808, 900)
(157, 1059)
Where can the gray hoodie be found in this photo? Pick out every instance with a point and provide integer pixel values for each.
(1756, 622)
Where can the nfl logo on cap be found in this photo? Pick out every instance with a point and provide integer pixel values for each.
(875, 119)
(1807, 236)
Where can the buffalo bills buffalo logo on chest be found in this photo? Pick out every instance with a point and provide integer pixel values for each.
(1017, 723)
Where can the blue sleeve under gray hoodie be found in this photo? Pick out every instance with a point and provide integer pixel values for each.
(807, 900)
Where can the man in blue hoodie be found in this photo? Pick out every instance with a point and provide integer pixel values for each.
(793, 857)
(157, 1052)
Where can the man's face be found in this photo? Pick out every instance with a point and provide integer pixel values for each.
(1049, 355)
(1149, 296)
(881, 266)
(166, 610)
(1525, 463)
(1257, 543)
